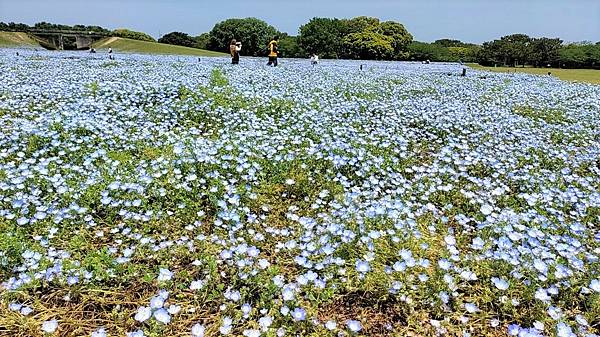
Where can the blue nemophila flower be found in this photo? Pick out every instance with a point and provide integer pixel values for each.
(198, 330)
(486, 209)
(514, 329)
(164, 275)
(157, 302)
(299, 314)
(15, 306)
(330, 325)
(542, 295)
(143, 314)
(471, 308)
(500, 283)
(50, 326)
(353, 325)
(595, 285)
(265, 322)
(162, 316)
(563, 330)
(362, 266)
(225, 329)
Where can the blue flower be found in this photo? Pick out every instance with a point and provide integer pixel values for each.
(354, 326)
(299, 314)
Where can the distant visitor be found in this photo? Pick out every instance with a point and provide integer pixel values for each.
(273, 52)
(314, 59)
(234, 50)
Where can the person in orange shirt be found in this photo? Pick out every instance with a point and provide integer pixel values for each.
(273, 52)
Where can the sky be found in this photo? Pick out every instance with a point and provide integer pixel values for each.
(428, 20)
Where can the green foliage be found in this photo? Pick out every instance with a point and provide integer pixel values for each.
(130, 34)
(289, 47)
(217, 79)
(582, 55)
(551, 116)
(450, 43)
(202, 41)
(358, 38)
(401, 37)
(178, 39)
(421, 51)
(368, 45)
(360, 24)
(254, 34)
(322, 36)
(544, 51)
(519, 49)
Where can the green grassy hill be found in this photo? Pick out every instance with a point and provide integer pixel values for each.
(16, 39)
(579, 75)
(135, 46)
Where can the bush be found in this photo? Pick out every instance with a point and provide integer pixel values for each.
(178, 39)
(130, 34)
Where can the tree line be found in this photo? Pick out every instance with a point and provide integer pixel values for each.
(522, 50)
(363, 38)
(45, 26)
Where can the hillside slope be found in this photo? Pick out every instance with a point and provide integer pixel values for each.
(14, 39)
(135, 46)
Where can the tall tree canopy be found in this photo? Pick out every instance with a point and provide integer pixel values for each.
(361, 37)
(322, 36)
(254, 34)
(178, 38)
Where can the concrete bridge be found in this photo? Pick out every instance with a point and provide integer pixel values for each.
(55, 38)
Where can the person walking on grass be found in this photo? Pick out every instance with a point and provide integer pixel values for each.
(234, 50)
(273, 52)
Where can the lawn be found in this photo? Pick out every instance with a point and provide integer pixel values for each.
(579, 75)
(143, 47)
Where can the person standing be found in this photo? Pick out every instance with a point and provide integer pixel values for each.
(234, 50)
(273, 52)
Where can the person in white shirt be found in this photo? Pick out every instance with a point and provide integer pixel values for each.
(314, 59)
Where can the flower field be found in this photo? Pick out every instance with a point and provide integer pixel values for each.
(171, 196)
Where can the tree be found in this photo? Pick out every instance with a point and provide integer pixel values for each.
(421, 51)
(580, 55)
(492, 53)
(202, 41)
(254, 34)
(359, 24)
(544, 51)
(467, 53)
(130, 34)
(368, 45)
(178, 38)
(322, 36)
(449, 43)
(288, 47)
(516, 48)
(401, 37)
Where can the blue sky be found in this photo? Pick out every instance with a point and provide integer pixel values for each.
(428, 20)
